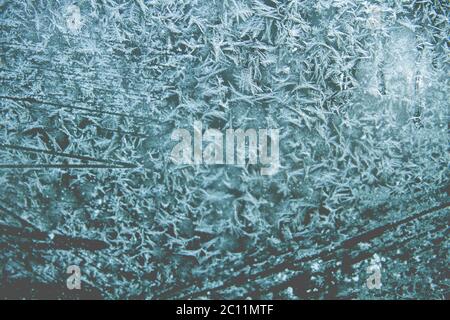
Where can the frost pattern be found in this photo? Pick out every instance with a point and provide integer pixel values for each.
(91, 92)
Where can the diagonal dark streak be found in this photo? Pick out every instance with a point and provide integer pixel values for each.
(376, 232)
(95, 85)
(62, 105)
(55, 241)
(61, 166)
(360, 257)
(346, 244)
(22, 221)
(68, 155)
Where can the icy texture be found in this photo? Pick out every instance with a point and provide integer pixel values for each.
(358, 89)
